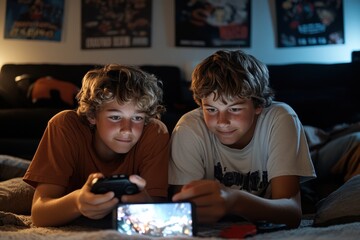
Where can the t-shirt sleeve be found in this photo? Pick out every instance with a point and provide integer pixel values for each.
(186, 161)
(52, 162)
(289, 152)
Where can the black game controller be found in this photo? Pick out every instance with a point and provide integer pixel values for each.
(119, 184)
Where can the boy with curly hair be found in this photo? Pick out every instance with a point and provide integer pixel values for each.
(114, 130)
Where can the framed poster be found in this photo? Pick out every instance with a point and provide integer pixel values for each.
(34, 20)
(212, 23)
(309, 22)
(115, 24)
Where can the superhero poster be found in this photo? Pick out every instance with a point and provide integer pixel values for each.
(34, 19)
(309, 22)
(115, 24)
(212, 23)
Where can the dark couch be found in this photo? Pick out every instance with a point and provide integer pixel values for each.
(22, 123)
(323, 95)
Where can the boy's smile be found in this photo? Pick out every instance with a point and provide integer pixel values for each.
(232, 122)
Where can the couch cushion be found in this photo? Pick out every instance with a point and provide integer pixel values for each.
(25, 122)
(19, 147)
(341, 206)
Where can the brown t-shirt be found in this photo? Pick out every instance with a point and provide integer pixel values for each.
(66, 156)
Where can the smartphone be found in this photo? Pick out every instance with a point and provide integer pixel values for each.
(265, 227)
(160, 219)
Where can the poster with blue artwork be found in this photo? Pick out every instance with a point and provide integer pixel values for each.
(309, 22)
(34, 19)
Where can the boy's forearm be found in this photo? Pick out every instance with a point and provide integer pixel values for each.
(55, 212)
(254, 208)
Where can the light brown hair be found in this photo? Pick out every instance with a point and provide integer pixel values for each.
(230, 74)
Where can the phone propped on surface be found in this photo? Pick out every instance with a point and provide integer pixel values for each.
(160, 219)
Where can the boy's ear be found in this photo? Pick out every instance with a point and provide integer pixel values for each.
(258, 110)
(91, 120)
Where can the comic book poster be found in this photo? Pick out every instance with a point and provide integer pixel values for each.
(309, 22)
(212, 23)
(34, 19)
(116, 24)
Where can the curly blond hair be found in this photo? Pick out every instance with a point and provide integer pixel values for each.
(123, 83)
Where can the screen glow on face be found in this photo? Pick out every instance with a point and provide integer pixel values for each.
(155, 219)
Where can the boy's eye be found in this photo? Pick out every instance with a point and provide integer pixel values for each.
(138, 118)
(235, 109)
(115, 118)
(210, 110)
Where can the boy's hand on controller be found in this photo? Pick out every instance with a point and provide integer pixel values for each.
(142, 196)
(95, 206)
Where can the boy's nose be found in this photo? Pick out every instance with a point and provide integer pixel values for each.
(223, 119)
(125, 125)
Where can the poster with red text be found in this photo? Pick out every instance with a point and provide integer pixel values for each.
(212, 23)
(309, 22)
(34, 19)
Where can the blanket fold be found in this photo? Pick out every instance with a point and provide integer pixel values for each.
(8, 218)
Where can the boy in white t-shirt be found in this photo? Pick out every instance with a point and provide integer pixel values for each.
(239, 153)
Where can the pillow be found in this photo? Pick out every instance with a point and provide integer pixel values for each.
(12, 167)
(16, 196)
(341, 206)
(51, 92)
(24, 81)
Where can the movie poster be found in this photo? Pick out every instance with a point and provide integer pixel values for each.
(309, 22)
(212, 23)
(34, 19)
(116, 24)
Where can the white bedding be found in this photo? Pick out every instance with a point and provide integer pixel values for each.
(13, 226)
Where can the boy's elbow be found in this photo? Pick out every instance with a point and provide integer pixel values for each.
(295, 212)
(36, 221)
(294, 220)
(294, 224)
(39, 219)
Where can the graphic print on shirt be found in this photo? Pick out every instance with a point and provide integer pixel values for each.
(251, 182)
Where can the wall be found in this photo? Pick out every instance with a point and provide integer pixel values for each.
(163, 51)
